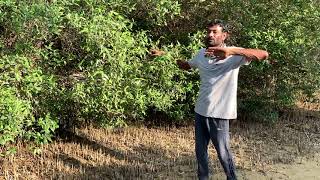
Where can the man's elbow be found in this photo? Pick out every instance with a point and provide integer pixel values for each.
(265, 55)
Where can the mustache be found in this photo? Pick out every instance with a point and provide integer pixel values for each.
(208, 39)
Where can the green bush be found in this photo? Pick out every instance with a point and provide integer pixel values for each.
(15, 114)
(22, 114)
(64, 62)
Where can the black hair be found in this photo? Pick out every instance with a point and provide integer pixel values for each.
(225, 26)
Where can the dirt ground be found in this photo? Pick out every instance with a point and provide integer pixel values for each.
(288, 149)
(301, 169)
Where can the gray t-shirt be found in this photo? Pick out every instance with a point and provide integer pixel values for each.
(219, 80)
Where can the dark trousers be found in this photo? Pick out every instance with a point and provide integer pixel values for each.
(218, 131)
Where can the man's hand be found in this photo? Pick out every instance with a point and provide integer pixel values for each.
(156, 52)
(219, 52)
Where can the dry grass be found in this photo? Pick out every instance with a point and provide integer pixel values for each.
(163, 152)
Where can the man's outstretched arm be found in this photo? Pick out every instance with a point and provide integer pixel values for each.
(181, 64)
(250, 54)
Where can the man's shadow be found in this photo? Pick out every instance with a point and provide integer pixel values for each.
(137, 166)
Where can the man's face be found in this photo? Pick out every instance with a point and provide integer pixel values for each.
(215, 36)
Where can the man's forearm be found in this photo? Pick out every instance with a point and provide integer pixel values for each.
(251, 54)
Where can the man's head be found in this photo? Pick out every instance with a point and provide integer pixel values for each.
(217, 32)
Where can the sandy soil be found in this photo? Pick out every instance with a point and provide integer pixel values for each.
(288, 149)
(301, 169)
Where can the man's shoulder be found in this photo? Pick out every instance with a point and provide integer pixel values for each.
(200, 53)
(202, 50)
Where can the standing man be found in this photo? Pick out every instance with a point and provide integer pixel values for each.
(217, 101)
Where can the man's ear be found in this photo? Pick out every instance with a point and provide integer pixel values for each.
(225, 35)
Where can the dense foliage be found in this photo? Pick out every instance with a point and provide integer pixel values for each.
(68, 61)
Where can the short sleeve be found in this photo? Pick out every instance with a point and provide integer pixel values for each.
(194, 62)
(244, 61)
(238, 61)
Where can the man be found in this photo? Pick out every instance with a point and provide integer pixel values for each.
(217, 101)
